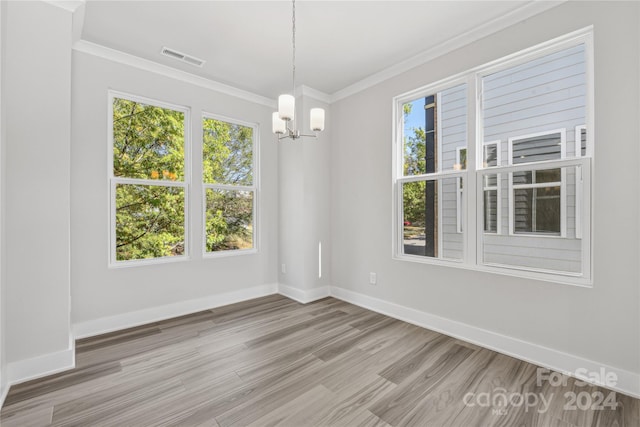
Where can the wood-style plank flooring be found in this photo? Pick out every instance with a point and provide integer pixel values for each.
(272, 361)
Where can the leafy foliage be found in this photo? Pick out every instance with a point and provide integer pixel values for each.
(229, 220)
(227, 153)
(148, 143)
(415, 149)
(149, 221)
(227, 158)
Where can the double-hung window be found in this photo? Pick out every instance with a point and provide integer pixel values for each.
(228, 170)
(431, 166)
(148, 179)
(516, 199)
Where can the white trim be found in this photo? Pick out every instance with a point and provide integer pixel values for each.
(460, 190)
(114, 181)
(118, 322)
(173, 73)
(577, 136)
(303, 296)
(68, 5)
(497, 188)
(314, 93)
(478, 32)
(253, 188)
(628, 382)
(40, 366)
(4, 390)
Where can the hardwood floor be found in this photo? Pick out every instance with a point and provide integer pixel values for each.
(272, 361)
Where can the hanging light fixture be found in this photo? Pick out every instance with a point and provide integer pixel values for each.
(284, 123)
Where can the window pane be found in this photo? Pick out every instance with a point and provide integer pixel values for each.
(434, 128)
(491, 211)
(229, 220)
(148, 141)
(537, 210)
(537, 241)
(583, 142)
(543, 94)
(227, 153)
(149, 221)
(431, 222)
(537, 149)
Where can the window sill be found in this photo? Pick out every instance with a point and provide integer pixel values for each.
(231, 253)
(148, 261)
(572, 279)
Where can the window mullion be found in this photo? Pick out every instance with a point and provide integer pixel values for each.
(473, 222)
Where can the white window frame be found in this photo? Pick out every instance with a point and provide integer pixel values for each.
(113, 181)
(253, 188)
(562, 183)
(400, 179)
(459, 190)
(579, 180)
(473, 234)
(497, 188)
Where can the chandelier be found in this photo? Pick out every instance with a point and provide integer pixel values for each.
(284, 124)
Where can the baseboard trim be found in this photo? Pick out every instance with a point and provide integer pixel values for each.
(303, 296)
(628, 382)
(136, 318)
(4, 390)
(40, 366)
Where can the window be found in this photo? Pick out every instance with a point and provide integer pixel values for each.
(148, 179)
(228, 170)
(535, 198)
(434, 139)
(529, 210)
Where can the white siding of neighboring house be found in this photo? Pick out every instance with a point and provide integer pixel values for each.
(452, 133)
(543, 95)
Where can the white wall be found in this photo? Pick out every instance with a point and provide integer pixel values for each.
(3, 365)
(100, 292)
(304, 183)
(36, 180)
(599, 324)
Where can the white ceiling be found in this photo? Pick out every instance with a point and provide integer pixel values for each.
(247, 44)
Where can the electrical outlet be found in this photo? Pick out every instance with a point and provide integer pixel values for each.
(373, 278)
(283, 268)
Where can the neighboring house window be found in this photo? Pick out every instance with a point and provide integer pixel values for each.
(490, 189)
(148, 179)
(433, 163)
(535, 197)
(521, 172)
(228, 170)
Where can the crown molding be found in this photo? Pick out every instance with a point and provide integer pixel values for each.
(490, 27)
(155, 67)
(315, 94)
(68, 5)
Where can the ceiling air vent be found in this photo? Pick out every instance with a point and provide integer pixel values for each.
(182, 57)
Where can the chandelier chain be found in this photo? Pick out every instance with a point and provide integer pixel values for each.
(293, 40)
